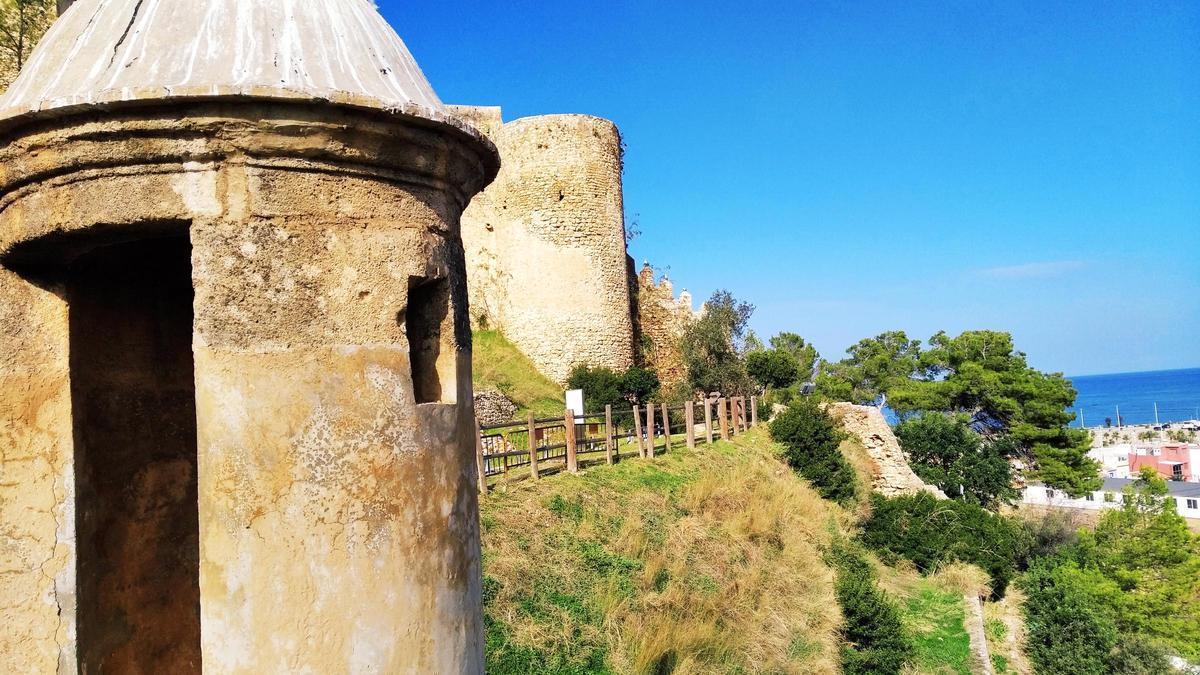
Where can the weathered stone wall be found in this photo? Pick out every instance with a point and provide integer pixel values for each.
(334, 488)
(662, 320)
(37, 482)
(545, 243)
(893, 475)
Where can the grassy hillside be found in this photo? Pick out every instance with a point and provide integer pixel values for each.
(498, 364)
(704, 561)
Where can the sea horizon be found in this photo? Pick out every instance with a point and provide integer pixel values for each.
(1133, 372)
(1143, 397)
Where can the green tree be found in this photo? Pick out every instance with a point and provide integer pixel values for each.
(811, 438)
(1069, 618)
(752, 343)
(1147, 550)
(980, 374)
(1137, 575)
(945, 451)
(603, 386)
(873, 367)
(932, 532)
(805, 354)
(712, 346)
(772, 368)
(22, 24)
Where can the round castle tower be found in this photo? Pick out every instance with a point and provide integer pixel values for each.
(234, 347)
(546, 242)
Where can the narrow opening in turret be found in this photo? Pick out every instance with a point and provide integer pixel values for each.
(134, 415)
(425, 322)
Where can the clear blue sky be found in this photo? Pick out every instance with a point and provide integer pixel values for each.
(855, 167)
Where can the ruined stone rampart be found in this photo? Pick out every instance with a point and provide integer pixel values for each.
(662, 318)
(892, 474)
(545, 244)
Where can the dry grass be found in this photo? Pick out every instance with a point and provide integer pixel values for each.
(705, 561)
(865, 469)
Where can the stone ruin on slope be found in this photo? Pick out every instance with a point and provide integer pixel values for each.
(892, 473)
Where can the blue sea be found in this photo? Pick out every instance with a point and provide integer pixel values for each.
(1177, 393)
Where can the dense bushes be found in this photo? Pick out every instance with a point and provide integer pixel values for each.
(810, 438)
(1070, 624)
(932, 532)
(1136, 575)
(875, 641)
(603, 386)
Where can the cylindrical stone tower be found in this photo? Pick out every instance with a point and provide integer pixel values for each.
(546, 242)
(235, 402)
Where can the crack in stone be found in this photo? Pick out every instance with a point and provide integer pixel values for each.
(136, 8)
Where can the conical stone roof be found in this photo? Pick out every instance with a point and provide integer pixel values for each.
(104, 51)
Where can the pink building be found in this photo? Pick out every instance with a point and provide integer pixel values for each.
(1172, 461)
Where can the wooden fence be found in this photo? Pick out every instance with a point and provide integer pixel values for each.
(537, 446)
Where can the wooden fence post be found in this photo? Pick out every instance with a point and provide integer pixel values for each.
(721, 418)
(739, 421)
(479, 459)
(572, 459)
(533, 448)
(637, 432)
(753, 411)
(650, 430)
(666, 427)
(689, 419)
(708, 430)
(608, 433)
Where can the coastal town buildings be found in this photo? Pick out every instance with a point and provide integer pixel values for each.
(1186, 496)
(1173, 461)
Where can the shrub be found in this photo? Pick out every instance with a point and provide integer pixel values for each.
(639, 385)
(603, 386)
(773, 368)
(875, 640)
(1137, 655)
(932, 533)
(1070, 623)
(810, 439)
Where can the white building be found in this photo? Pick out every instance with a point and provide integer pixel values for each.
(1113, 459)
(1186, 496)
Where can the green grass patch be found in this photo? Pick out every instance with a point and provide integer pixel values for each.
(935, 620)
(498, 364)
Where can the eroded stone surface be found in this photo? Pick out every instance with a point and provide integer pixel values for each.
(893, 475)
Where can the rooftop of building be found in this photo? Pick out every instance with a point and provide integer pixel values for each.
(1174, 488)
(108, 51)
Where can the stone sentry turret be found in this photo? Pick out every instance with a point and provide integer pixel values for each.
(235, 380)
